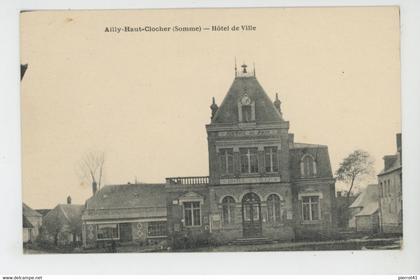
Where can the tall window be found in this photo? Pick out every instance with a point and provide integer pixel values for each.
(192, 213)
(389, 187)
(249, 160)
(308, 166)
(271, 162)
(228, 205)
(107, 231)
(246, 113)
(156, 229)
(381, 190)
(273, 207)
(226, 161)
(310, 208)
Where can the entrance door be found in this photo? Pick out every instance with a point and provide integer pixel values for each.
(251, 215)
(125, 232)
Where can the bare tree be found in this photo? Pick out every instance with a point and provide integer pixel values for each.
(91, 167)
(355, 167)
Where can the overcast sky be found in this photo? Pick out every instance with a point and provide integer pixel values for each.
(144, 98)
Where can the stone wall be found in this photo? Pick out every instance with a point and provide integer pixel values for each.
(391, 202)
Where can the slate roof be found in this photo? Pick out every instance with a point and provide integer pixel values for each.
(305, 145)
(127, 201)
(264, 108)
(29, 212)
(318, 152)
(67, 213)
(367, 200)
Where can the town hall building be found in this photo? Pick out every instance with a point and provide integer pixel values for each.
(261, 184)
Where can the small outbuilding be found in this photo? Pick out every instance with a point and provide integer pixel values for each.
(31, 221)
(365, 210)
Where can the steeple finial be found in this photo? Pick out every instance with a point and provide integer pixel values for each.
(244, 66)
(213, 107)
(254, 68)
(277, 104)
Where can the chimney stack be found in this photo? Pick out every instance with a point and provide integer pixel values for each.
(69, 200)
(399, 142)
(389, 161)
(94, 187)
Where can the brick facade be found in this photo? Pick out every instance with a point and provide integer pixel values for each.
(277, 172)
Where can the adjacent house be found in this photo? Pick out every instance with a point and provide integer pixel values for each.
(63, 224)
(32, 221)
(261, 184)
(364, 214)
(127, 213)
(390, 194)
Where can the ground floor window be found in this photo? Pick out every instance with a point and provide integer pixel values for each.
(310, 208)
(192, 213)
(107, 231)
(156, 229)
(273, 207)
(228, 205)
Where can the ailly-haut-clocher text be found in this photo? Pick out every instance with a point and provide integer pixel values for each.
(177, 28)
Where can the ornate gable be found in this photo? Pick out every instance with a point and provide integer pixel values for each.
(245, 92)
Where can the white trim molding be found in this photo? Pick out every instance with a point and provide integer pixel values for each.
(310, 193)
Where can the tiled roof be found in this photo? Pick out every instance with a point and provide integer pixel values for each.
(72, 212)
(26, 222)
(369, 209)
(29, 212)
(129, 195)
(264, 108)
(127, 201)
(43, 212)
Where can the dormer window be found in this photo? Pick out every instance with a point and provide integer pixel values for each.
(246, 109)
(246, 113)
(308, 166)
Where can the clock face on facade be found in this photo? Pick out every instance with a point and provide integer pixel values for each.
(245, 100)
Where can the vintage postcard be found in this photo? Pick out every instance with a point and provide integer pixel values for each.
(211, 130)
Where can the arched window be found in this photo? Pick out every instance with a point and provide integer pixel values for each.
(273, 207)
(307, 166)
(228, 205)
